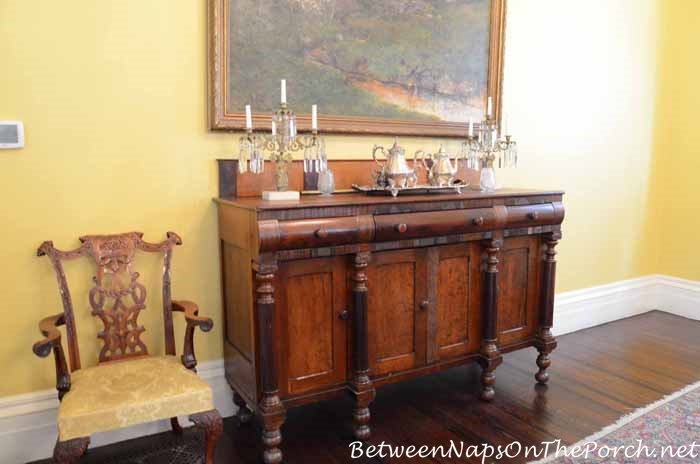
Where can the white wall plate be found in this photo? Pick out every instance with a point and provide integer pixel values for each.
(11, 134)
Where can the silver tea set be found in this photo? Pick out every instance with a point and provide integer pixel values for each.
(395, 174)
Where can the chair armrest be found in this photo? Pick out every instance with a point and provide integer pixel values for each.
(191, 311)
(52, 341)
(49, 329)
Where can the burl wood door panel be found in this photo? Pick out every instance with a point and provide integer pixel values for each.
(314, 336)
(454, 320)
(518, 289)
(397, 311)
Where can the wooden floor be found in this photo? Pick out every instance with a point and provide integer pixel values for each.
(597, 375)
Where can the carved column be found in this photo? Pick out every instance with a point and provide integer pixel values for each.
(272, 411)
(489, 356)
(361, 385)
(545, 342)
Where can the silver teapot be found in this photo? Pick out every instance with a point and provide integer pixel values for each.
(395, 173)
(441, 168)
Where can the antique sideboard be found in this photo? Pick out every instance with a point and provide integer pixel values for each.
(343, 294)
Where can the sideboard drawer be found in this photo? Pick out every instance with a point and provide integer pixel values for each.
(314, 233)
(434, 223)
(535, 215)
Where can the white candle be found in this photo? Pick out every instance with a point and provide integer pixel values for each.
(292, 128)
(471, 127)
(314, 117)
(283, 91)
(248, 118)
(505, 125)
(489, 107)
(274, 128)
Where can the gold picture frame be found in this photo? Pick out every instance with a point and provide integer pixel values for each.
(226, 119)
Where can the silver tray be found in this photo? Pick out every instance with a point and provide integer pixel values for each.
(416, 190)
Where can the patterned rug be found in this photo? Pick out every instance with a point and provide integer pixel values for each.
(163, 448)
(667, 431)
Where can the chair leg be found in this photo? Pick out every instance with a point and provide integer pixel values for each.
(213, 426)
(175, 425)
(244, 414)
(70, 451)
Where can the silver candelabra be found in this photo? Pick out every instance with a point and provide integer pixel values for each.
(281, 143)
(485, 149)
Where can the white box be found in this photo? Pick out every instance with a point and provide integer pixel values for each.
(273, 195)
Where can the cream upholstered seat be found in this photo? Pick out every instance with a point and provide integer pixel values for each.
(120, 394)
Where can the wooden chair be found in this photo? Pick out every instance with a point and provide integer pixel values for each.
(128, 386)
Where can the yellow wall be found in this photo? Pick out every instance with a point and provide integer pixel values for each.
(579, 88)
(676, 176)
(113, 96)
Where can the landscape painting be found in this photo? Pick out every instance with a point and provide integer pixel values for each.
(419, 67)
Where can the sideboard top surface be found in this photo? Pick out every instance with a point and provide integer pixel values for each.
(360, 199)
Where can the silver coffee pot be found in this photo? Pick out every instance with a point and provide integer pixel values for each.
(441, 168)
(395, 173)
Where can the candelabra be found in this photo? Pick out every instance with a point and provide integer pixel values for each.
(485, 150)
(281, 143)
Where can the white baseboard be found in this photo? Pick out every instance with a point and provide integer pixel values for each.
(28, 421)
(588, 307)
(581, 309)
(679, 296)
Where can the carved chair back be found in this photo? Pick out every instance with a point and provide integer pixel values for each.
(117, 296)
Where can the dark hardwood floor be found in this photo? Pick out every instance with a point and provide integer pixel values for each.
(597, 375)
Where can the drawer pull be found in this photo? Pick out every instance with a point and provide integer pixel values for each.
(424, 305)
(478, 221)
(345, 315)
(321, 233)
(533, 215)
(401, 228)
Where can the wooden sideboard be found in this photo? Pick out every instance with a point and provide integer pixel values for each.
(342, 294)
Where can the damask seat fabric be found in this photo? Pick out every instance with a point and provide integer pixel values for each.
(120, 394)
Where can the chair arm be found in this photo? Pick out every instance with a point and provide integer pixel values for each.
(191, 311)
(52, 341)
(49, 329)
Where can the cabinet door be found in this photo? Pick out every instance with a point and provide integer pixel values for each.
(396, 316)
(454, 322)
(518, 289)
(313, 296)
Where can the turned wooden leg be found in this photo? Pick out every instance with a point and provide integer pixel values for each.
(488, 379)
(361, 415)
(270, 408)
(360, 386)
(489, 355)
(543, 362)
(213, 427)
(244, 414)
(175, 425)
(545, 341)
(490, 359)
(70, 451)
(272, 435)
(545, 344)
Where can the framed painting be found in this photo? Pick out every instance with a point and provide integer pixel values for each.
(396, 67)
